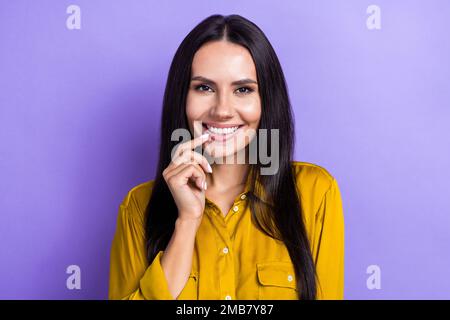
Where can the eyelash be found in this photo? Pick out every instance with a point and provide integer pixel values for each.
(249, 90)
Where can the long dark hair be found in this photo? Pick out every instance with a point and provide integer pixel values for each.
(283, 220)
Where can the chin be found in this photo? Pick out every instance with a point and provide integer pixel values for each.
(221, 151)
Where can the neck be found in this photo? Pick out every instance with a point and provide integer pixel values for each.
(226, 176)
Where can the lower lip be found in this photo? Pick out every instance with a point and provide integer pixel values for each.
(221, 137)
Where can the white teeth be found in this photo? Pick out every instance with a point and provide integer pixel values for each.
(222, 130)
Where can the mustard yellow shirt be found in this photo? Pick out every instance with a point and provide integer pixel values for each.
(232, 259)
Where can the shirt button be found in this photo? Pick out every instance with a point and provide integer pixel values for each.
(290, 278)
(228, 298)
(243, 196)
(225, 250)
(236, 208)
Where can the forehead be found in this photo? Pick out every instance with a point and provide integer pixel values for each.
(223, 60)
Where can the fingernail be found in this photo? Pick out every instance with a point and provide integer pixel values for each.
(209, 168)
(205, 135)
(205, 185)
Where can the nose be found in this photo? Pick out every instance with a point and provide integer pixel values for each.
(222, 109)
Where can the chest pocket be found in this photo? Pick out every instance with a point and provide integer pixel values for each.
(277, 281)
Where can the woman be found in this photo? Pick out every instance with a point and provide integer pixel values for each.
(226, 231)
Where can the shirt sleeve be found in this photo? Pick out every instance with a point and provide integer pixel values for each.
(131, 278)
(328, 246)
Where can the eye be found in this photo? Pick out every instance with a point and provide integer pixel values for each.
(245, 90)
(202, 87)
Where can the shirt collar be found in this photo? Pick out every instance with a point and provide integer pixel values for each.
(259, 190)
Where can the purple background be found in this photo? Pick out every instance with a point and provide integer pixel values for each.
(80, 110)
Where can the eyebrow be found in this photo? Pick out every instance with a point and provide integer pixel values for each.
(238, 82)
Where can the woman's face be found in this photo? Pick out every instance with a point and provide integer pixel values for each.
(223, 97)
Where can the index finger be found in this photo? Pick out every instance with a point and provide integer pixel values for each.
(191, 144)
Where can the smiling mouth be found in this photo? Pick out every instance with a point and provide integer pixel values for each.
(221, 134)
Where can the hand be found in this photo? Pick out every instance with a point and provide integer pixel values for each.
(186, 179)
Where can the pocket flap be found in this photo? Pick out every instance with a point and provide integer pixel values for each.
(277, 273)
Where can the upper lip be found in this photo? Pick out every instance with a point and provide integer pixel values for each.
(222, 125)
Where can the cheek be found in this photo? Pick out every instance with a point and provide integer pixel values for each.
(251, 112)
(195, 108)
(190, 110)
